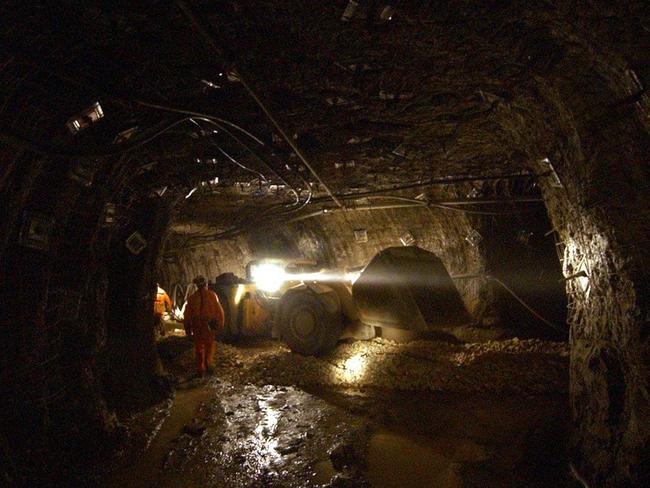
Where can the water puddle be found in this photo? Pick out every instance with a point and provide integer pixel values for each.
(403, 460)
(148, 466)
(263, 448)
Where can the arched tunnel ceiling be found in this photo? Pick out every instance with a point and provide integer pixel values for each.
(442, 89)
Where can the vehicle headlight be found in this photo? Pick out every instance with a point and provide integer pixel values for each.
(268, 277)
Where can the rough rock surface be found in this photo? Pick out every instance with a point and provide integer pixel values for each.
(453, 88)
(524, 366)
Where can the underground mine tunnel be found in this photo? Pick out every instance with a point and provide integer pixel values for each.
(425, 223)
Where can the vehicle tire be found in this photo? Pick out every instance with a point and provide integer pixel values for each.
(306, 325)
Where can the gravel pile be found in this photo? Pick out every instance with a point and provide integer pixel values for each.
(527, 366)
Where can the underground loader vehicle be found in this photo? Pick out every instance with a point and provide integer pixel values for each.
(402, 289)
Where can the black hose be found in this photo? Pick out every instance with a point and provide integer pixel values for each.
(526, 306)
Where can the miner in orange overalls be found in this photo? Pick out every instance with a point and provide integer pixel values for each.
(203, 317)
(161, 304)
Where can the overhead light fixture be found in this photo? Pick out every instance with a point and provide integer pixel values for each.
(85, 118)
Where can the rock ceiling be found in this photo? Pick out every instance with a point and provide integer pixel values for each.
(441, 89)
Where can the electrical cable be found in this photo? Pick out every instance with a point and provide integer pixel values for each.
(413, 204)
(505, 287)
(124, 98)
(472, 212)
(15, 139)
(449, 206)
(432, 182)
(230, 158)
(194, 114)
(51, 151)
(289, 141)
(253, 153)
(355, 208)
(439, 181)
(227, 132)
(189, 14)
(237, 163)
(419, 204)
(525, 305)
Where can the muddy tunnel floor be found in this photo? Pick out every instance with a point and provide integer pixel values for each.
(374, 413)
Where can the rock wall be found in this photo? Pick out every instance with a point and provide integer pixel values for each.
(330, 240)
(529, 266)
(599, 163)
(76, 321)
(601, 229)
(490, 86)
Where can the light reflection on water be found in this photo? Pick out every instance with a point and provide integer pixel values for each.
(265, 441)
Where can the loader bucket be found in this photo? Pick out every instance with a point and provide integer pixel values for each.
(408, 288)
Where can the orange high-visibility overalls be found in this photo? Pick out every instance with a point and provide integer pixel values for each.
(202, 307)
(162, 304)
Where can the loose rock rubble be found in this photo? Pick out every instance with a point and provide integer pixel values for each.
(525, 366)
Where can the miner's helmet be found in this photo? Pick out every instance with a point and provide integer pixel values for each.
(199, 281)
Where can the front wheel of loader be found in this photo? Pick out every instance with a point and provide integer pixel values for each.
(306, 324)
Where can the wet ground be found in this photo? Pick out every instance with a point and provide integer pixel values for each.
(448, 415)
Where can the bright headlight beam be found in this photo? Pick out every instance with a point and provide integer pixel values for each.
(352, 276)
(268, 277)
